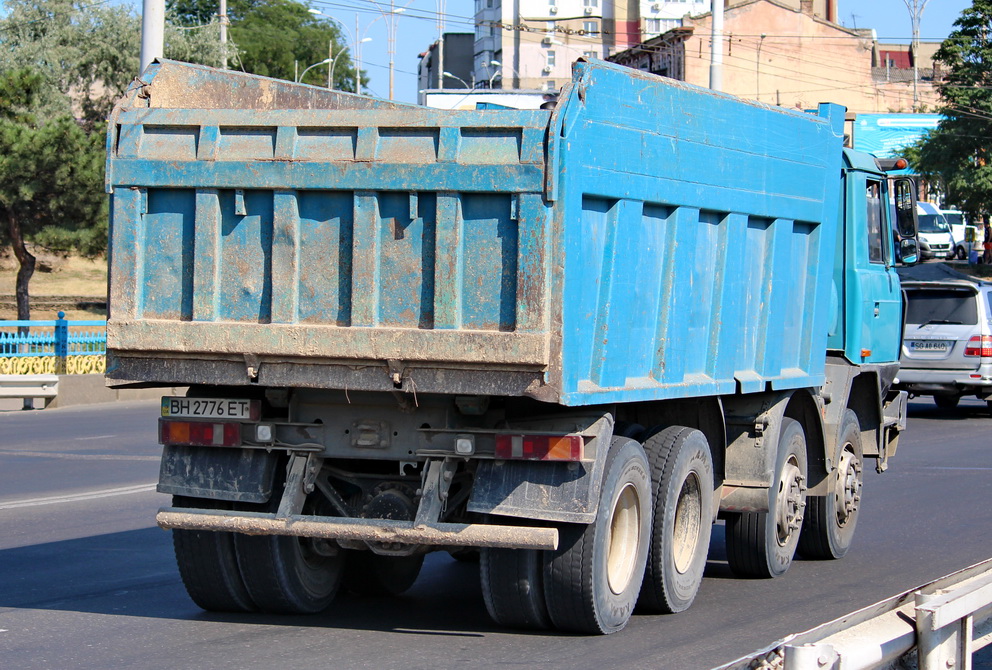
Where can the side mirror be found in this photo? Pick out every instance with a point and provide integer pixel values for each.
(905, 201)
(909, 251)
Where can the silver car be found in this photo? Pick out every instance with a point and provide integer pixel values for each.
(947, 342)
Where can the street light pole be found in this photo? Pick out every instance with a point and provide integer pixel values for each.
(391, 18)
(152, 31)
(222, 13)
(307, 69)
(916, 8)
(451, 76)
(716, 47)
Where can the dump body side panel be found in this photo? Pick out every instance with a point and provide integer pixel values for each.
(698, 236)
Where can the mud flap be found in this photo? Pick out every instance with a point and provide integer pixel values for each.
(894, 411)
(561, 492)
(220, 473)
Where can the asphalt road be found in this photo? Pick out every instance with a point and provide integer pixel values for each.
(87, 581)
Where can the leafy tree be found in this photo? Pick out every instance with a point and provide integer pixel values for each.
(276, 38)
(51, 176)
(64, 61)
(959, 151)
(88, 53)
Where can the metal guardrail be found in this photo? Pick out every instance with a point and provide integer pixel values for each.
(29, 387)
(942, 623)
(52, 347)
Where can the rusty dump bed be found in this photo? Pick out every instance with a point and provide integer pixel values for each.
(283, 235)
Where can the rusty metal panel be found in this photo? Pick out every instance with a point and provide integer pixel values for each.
(699, 263)
(256, 217)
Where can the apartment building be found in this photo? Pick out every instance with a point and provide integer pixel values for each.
(531, 44)
(788, 54)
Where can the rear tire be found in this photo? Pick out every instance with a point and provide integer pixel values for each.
(591, 582)
(946, 401)
(828, 528)
(762, 544)
(208, 564)
(682, 476)
(290, 575)
(513, 587)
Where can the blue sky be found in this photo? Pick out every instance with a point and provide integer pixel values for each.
(891, 18)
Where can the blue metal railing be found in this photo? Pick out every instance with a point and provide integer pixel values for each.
(58, 338)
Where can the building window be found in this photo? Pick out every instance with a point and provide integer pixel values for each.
(652, 25)
(590, 54)
(590, 27)
(549, 85)
(590, 3)
(551, 58)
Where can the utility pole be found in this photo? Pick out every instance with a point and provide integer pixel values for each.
(152, 31)
(440, 42)
(223, 32)
(916, 8)
(716, 47)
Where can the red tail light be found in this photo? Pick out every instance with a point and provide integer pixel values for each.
(539, 447)
(979, 345)
(199, 433)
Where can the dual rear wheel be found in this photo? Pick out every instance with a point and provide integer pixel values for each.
(647, 547)
(231, 572)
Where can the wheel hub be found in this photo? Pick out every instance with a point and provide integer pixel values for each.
(625, 524)
(688, 513)
(791, 502)
(847, 487)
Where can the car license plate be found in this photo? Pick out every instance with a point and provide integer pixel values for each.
(210, 408)
(929, 345)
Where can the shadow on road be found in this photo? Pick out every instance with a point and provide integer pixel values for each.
(133, 574)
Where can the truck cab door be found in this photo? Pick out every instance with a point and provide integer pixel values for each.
(875, 330)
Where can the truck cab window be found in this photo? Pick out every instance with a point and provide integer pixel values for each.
(875, 222)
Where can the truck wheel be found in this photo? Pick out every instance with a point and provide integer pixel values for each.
(682, 476)
(290, 575)
(592, 580)
(830, 520)
(208, 564)
(513, 587)
(369, 574)
(946, 401)
(762, 544)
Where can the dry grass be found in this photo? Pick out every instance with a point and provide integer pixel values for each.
(56, 276)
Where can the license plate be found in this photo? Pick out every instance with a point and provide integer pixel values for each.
(929, 345)
(210, 408)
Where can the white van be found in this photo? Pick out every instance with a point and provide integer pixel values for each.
(965, 235)
(934, 230)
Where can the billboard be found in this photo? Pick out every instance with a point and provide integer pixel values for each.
(884, 135)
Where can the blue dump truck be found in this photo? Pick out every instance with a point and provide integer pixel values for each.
(564, 343)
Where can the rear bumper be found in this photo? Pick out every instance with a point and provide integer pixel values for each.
(366, 530)
(928, 382)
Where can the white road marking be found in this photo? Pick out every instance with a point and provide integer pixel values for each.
(95, 437)
(80, 457)
(92, 495)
